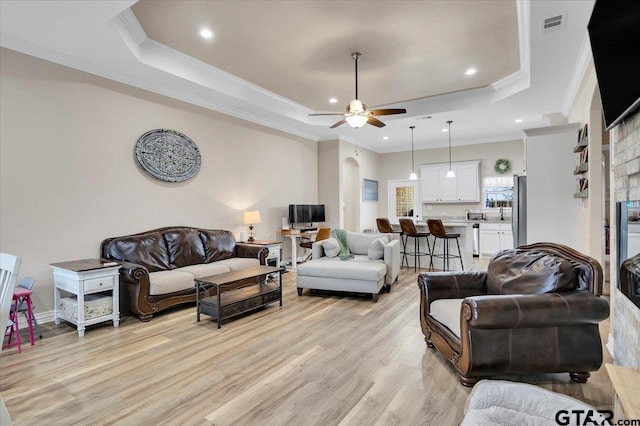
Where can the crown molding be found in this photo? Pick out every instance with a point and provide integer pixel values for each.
(584, 58)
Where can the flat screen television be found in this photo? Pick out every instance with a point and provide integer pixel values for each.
(614, 32)
(306, 213)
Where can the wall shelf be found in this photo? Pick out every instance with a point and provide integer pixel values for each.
(582, 144)
(582, 163)
(581, 169)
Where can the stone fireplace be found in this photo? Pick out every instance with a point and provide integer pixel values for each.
(625, 142)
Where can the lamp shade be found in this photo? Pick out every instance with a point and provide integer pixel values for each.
(251, 217)
(357, 121)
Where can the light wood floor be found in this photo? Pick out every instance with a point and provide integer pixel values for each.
(320, 359)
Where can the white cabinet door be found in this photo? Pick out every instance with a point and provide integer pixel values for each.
(507, 237)
(468, 188)
(429, 182)
(438, 188)
(448, 186)
(495, 237)
(489, 242)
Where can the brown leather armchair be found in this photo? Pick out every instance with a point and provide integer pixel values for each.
(535, 310)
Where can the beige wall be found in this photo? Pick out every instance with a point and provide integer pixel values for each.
(368, 168)
(69, 178)
(587, 109)
(329, 177)
(397, 165)
(332, 156)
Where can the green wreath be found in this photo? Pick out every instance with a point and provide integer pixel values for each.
(503, 166)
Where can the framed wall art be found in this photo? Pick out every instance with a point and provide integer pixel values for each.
(369, 190)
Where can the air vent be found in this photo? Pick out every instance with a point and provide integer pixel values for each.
(553, 23)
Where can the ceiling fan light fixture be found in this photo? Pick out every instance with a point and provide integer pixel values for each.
(356, 121)
(355, 106)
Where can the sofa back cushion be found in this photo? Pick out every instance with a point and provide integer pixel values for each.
(529, 272)
(218, 245)
(359, 242)
(147, 249)
(184, 246)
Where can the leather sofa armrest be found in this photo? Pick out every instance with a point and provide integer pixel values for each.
(132, 272)
(451, 285)
(248, 250)
(534, 310)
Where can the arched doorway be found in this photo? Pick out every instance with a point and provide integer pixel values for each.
(351, 195)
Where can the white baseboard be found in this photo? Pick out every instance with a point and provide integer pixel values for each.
(41, 317)
(609, 345)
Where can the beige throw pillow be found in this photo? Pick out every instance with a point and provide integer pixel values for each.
(331, 247)
(376, 248)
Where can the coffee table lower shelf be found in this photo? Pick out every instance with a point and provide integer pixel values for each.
(237, 302)
(229, 303)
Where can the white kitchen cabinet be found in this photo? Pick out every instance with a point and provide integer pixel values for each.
(495, 237)
(438, 188)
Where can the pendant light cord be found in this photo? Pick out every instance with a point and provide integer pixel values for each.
(449, 123)
(413, 168)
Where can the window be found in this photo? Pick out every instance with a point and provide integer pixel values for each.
(498, 191)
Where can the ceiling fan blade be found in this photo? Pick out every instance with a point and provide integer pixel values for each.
(328, 113)
(375, 121)
(387, 111)
(339, 123)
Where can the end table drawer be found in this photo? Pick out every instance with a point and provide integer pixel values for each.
(99, 284)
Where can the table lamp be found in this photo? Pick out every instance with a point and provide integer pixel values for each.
(250, 218)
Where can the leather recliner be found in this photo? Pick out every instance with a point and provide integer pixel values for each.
(535, 310)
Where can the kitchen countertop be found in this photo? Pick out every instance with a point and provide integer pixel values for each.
(465, 222)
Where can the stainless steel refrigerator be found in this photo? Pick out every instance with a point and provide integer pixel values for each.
(519, 211)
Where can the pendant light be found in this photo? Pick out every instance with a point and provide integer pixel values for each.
(450, 173)
(413, 175)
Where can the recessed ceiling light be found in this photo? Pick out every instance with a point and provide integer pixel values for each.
(471, 71)
(445, 130)
(206, 33)
(333, 100)
(386, 138)
(518, 120)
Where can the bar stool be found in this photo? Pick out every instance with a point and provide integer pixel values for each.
(409, 229)
(384, 227)
(439, 232)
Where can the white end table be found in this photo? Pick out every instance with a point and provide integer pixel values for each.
(82, 277)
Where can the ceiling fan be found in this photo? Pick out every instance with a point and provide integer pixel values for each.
(357, 114)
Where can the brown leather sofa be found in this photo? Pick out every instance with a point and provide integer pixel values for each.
(159, 266)
(535, 310)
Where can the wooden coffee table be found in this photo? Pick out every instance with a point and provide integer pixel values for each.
(233, 298)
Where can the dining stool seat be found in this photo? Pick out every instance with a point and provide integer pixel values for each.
(437, 229)
(409, 229)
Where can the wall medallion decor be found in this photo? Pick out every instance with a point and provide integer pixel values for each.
(168, 155)
(503, 166)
